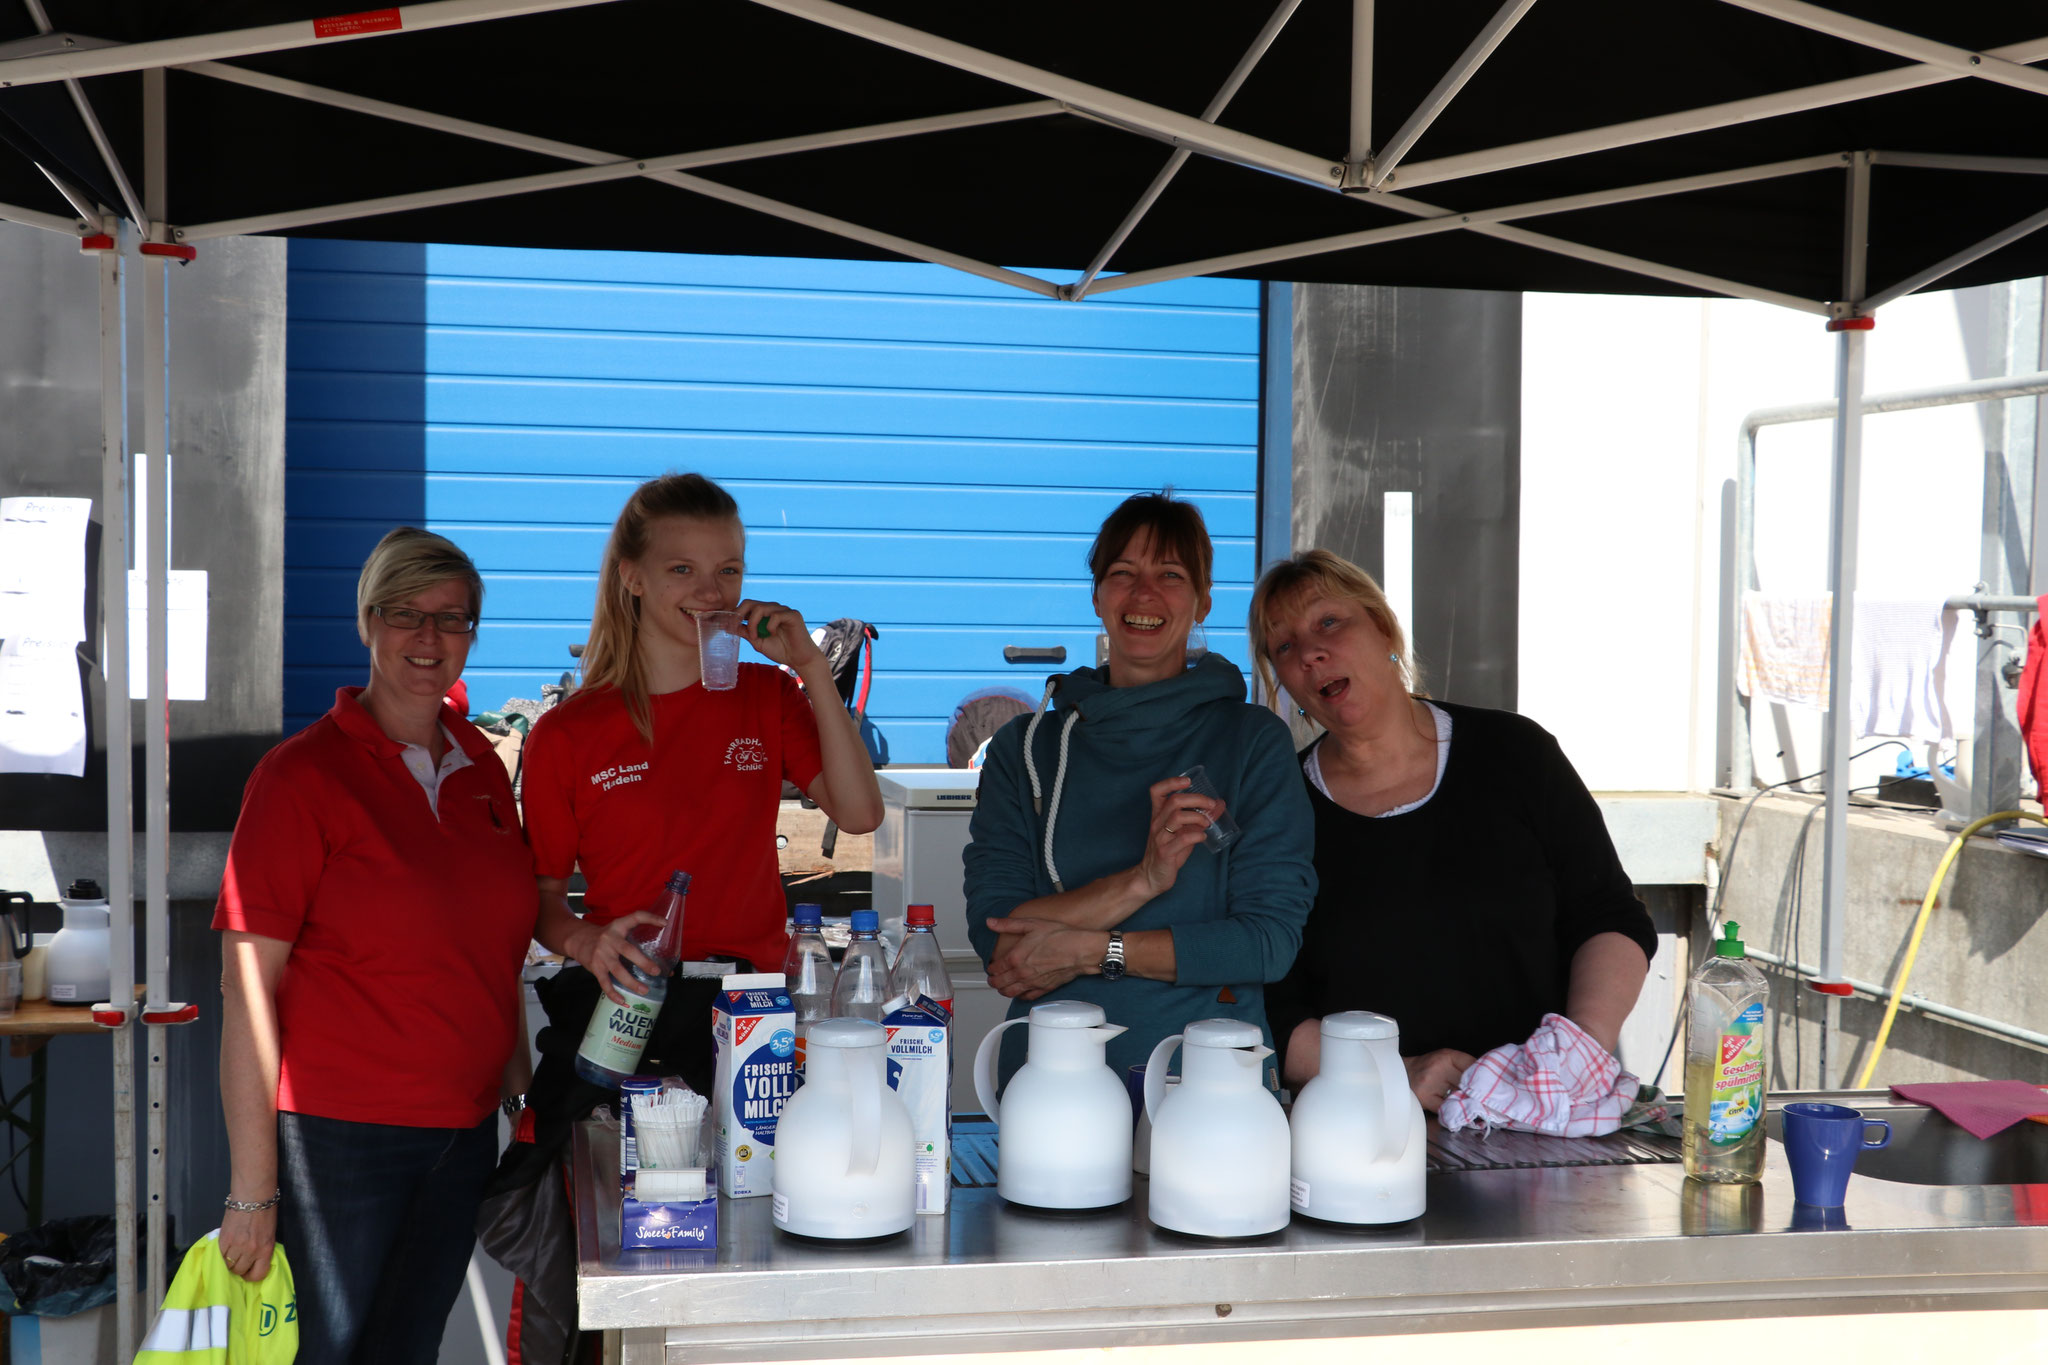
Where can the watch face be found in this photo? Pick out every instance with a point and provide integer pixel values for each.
(1112, 971)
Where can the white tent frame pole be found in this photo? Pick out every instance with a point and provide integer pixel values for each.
(608, 169)
(569, 151)
(41, 19)
(1274, 23)
(36, 218)
(1446, 89)
(1358, 153)
(73, 195)
(1177, 128)
(1914, 283)
(1843, 518)
(1443, 221)
(156, 934)
(1961, 61)
(1944, 161)
(80, 63)
(116, 504)
(711, 189)
(1416, 174)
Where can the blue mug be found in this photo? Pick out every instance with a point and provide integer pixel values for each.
(1821, 1142)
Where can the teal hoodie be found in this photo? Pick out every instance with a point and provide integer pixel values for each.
(1236, 916)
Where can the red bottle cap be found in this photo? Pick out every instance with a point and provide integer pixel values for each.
(919, 914)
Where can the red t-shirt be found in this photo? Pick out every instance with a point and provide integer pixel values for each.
(399, 1003)
(705, 800)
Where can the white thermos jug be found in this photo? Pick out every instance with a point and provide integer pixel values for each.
(1359, 1142)
(1065, 1121)
(843, 1161)
(78, 972)
(1219, 1138)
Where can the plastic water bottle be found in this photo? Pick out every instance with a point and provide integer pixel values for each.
(921, 966)
(808, 969)
(618, 1034)
(863, 985)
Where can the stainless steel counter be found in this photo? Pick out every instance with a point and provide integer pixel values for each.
(1506, 1248)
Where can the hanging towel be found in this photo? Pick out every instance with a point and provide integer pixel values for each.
(1983, 1108)
(1900, 649)
(212, 1316)
(1784, 649)
(1560, 1082)
(2033, 698)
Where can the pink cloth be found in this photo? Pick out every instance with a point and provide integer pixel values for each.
(1560, 1082)
(1981, 1108)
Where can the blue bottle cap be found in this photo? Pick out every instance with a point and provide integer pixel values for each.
(679, 881)
(808, 914)
(866, 922)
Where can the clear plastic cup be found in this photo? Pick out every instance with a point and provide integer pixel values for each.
(718, 649)
(1222, 830)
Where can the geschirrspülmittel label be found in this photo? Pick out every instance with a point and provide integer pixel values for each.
(1737, 1099)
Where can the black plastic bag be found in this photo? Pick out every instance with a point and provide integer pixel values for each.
(63, 1267)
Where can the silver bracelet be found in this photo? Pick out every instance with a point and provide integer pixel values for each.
(240, 1207)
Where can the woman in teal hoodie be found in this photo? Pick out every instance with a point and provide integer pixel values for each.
(1088, 874)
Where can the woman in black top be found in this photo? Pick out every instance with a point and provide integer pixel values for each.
(1468, 884)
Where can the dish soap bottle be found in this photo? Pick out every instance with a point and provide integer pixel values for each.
(1724, 1066)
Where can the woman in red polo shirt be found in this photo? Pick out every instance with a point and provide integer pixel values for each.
(643, 771)
(375, 911)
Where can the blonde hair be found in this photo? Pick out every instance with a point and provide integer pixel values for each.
(1318, 573)
(611, 656)
(406, 563)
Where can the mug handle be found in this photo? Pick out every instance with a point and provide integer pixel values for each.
(1885, 1141)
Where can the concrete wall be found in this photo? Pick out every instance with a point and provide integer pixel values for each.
(1985, 949)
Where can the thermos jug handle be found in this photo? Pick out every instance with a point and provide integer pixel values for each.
(985, 1068)
(866, 1081)
(1395, 1099)
(16, 919)
(1155, 1076)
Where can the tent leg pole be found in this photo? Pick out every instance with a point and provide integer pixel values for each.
(115, 506)
(1851, 326)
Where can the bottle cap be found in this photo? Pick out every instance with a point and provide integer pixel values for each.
(679, 882)
(809, 914)
(84, 889)
(1728, 945)
(919, 914)
(866, 922)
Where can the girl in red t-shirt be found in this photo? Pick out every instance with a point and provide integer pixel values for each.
(643, 770)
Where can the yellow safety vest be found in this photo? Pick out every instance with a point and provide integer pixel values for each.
(212, 1316)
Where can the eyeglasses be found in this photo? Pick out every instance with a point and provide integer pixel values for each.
(447, 622)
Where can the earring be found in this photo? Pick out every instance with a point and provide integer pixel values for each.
(1394, 658)
(1301, 710)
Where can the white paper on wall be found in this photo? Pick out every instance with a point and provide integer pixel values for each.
(42, 567)
(42, 707)
(186, 620)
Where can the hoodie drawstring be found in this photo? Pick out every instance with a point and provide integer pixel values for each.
(1059, 779)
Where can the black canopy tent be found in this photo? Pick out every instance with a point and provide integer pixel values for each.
(1823, 160)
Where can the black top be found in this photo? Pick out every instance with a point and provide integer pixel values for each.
(1459, 919)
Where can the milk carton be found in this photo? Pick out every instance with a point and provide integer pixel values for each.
(753, 1031)
(920, 1062)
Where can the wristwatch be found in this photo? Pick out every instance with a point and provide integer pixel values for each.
(1112, 967)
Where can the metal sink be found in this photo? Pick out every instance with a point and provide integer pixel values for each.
(1928, 1149)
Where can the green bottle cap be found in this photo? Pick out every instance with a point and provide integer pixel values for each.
(1728, 945)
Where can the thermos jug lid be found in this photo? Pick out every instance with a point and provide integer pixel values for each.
(1360, 1024)
(1222, 1033)
(84, 889)
(846, 1033)
(1067, 1014)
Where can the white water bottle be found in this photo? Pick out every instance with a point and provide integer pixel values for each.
(808, 969)
(863, 985)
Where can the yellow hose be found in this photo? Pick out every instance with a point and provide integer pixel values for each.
(1891, 1009)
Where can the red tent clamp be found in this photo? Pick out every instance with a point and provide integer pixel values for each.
(1309, 159)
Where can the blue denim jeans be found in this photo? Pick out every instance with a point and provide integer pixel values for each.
(378, 1222)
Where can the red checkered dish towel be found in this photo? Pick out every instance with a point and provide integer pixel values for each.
(1560, 1082)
